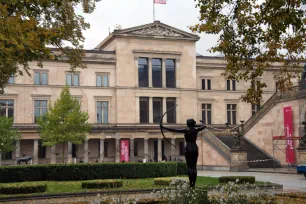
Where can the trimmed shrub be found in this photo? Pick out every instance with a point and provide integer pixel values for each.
(237, 179)
(22, 188)
(162, 181)
(182, 168)
(102, 184)
(75, 172)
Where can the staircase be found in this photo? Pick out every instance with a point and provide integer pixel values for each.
(253, 153)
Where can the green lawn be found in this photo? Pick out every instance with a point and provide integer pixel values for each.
(54, 187)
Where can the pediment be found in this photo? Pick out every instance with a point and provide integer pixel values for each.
(157, 31)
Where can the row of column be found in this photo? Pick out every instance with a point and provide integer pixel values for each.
(101, 153)
(151, 110)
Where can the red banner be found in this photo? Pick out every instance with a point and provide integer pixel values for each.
(124, 151)
(160, 1)
(290, 157)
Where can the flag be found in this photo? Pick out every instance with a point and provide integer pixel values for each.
(160, 1)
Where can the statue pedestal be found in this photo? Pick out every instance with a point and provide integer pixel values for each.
(301, 155)
(238, 159)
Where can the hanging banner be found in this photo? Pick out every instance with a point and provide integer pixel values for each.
(124, 151)
(290, 157)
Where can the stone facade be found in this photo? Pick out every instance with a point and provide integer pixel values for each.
(117, 57)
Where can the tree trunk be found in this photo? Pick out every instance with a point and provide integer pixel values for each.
(63, 152)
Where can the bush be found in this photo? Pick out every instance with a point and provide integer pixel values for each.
(73, 172)
(22, 188)
(182, 168)
(162, 181)
(102, 184)
(237, 179)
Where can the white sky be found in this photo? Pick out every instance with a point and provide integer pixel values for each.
(129, 13)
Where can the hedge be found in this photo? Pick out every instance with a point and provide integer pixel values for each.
(182, 168)
(102, 184)
(94, 171)
(165, 181)
(237, 179)
(22, 188)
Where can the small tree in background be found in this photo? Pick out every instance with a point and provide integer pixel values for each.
(64, 122)
(8, 135)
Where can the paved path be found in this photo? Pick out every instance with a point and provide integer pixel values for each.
(290, 182)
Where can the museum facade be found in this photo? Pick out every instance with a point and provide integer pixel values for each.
(133, 77)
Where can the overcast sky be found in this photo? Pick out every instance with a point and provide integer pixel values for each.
(129, 13)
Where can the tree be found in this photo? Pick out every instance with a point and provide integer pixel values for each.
(8, 135)
(29, 28)
(254, 34)
(64, 122)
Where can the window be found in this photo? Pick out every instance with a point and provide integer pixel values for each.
(41, 150)
(206, 113)
(74, 150)
(102, 112)
(11, 80)
(231, 85)
(255, 108)
(170, 73)
(40, 109)
(157, 109)
(143, 72)
(171, 115)
(102, 80)
(231, 114)
(144, 109)
(181, 148)
(135, 149)
(72, 79)
(41, 78)
(206, 84)
(7, 108)
(7, 156)
(157, 72)
(105, 149)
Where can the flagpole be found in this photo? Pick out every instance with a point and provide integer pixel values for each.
(153, 11)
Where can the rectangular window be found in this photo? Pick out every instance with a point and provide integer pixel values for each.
(7, 156)
(157, 109)
(231, 114)
(40, 109)
(41, 78)
(102, 80)
(171, 115)
(11, 80)
(105, 149)
(41, 150)
(206, 113)
(7, 108)
(170, 73)
(102, 112)
(72, 79)
(144, 109)
(231, 85)
(143, 78)
(74, 150)
(135, 149)
(157, 72)
(206, 84)
(182, 148)
(255, 108)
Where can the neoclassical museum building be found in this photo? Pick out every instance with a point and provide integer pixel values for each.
(133, 76)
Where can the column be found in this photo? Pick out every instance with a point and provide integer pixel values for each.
(164, 73)
(86, 150)
(0, 158)
(177, 73)
(17, 154)
(165, 109)
(137, 110)
(159, 150)
(69, 161)
(150, 71)
(131, 149)
(117, 150)
(53, 155)
(35, 152)
(172, 149)
(150, 110)
(146, 149)
(101, 159)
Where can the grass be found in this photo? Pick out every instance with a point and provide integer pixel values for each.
(56, 187)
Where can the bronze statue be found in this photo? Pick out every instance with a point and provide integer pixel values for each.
(191, 148)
